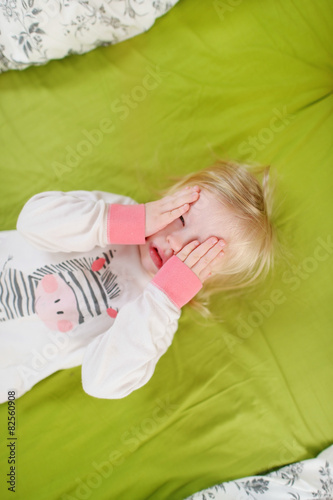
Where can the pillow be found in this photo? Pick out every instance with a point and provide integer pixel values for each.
(299, 481)
(34, 31)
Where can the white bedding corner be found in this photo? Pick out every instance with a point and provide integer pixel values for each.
(32, 32)
(309, 479)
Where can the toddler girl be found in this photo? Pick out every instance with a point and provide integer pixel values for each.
(94, 278)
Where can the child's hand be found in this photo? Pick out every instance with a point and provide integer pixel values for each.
(202, 257)
(162, 212)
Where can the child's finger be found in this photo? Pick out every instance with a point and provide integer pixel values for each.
(203, 272)
(180, 198)
(200, 252)
(201, 258)
(179, 206)
(174, 214)
(169, 215)
(187, 249)
(189, 188)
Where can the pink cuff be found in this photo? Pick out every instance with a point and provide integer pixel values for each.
(177, 281)
(126, 224)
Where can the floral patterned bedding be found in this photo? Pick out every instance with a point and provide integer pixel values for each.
(33, 32)
(309, 479)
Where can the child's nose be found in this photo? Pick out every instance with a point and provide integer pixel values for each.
(175, 242)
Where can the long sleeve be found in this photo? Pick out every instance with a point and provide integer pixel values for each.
(124, 358)
(58, 221)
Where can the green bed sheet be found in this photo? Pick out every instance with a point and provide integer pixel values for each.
(249, 80)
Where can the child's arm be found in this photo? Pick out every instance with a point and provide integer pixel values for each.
(58, 221)
(124, 358)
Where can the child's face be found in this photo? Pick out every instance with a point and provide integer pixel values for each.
(205, 218)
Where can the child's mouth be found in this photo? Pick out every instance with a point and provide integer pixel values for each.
(155, 257)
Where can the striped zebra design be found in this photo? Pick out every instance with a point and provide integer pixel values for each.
(91, 281)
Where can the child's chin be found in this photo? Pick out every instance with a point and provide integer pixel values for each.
(151, 270)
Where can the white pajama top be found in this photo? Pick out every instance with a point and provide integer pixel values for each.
(73, 292)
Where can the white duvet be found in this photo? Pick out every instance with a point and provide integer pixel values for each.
(306, 480)
(33, 32)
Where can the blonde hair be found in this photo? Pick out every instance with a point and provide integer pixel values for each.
(249, 253)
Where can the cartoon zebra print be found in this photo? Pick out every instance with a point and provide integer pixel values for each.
(17, 294)
(94, 286)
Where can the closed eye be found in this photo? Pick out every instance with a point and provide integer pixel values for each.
(182, 220)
